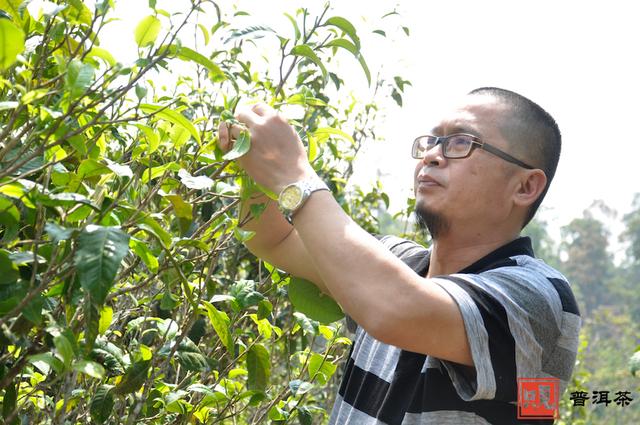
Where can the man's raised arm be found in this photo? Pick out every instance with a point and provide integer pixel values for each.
(276, 241)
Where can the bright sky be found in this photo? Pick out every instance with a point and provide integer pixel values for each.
(576, 59)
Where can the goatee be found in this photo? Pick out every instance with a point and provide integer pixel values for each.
(436, 224)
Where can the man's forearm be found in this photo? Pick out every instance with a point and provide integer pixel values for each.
(362, 275)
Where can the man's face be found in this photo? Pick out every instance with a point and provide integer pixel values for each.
(470, 194)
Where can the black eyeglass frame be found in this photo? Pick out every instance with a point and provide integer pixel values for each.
(475, 142)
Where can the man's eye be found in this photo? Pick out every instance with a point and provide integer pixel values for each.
(458, 142)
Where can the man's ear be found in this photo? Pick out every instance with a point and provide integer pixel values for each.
(531, 186)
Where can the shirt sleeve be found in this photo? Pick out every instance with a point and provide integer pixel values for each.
(512, 321)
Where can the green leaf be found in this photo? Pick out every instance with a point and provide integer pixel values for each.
(296, 29)
(46, 361)
(303, 99)
(67, 199)
(57, 232)
(17, 191)
(12, 7)
(257, 209)
(182, 209)
(258, 367)
(135, 376)
(264, 309)
(634, 363)
(11, 296)
(106, 317)
(245, 293)
(242, 235)
(110, 356)
(240, 146)
(102, 404)
(184, 212)
(11, 43)
(147, 31)
(141, 91)
(355, 51)
(172, 116)
(345, 26)
(155, 172)
(21, 258)
(205, 34)
(9, 218)
(220, 322)
(64, 348)
(304, 415)
(313, 148)
(78, 12)
(141, 249)
(299, 387)
(179, 136)
(9, 399)
(321, 369)
(153, 140)
(249, 30)
(33, 310)
(78, 78)
(325, 132)
(187, 54)
(90, 368)
(103, 54)
(92, 168)
(307, 298)
(34, 95)
(344, 44)
(190, 356)
(309, 326)
(8, 271)
(307, 52)
(148, 224)
(97, 259)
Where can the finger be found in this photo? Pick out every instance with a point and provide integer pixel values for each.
(262, 109)
(248, 117)
(223, 136)
(227, 133)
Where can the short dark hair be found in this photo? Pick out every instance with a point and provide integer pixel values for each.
(531, 132)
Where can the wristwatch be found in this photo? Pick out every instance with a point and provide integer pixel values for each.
(293, 196)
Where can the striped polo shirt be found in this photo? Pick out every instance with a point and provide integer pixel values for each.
(521, 319)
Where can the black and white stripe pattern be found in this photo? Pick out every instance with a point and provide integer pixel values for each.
(521, 319)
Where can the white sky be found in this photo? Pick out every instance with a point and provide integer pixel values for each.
(576, 59)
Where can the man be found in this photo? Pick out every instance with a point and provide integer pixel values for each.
(443, 334)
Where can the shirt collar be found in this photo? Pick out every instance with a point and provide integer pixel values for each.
(497, 258)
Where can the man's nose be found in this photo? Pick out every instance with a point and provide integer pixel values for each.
(434, 156)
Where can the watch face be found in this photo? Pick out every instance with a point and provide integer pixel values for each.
(290, 197)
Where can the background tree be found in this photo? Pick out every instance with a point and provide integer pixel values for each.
(543, 244)
(588, 263)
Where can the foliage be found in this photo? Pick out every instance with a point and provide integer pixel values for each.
(608, 296)
(585, 243)
(126, 295)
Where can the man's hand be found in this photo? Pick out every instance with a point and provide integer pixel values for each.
(277, 156)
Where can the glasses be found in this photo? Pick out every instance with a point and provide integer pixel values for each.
(459, 146)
